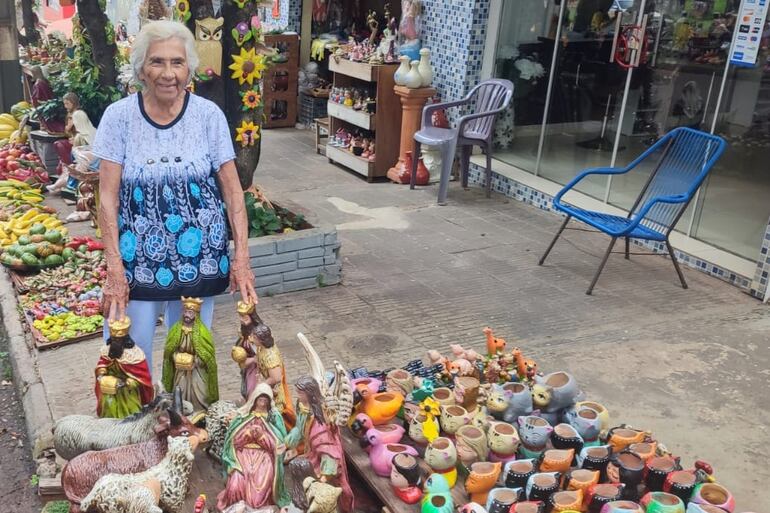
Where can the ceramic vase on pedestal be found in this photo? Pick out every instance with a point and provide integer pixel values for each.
(412, 103)
(425, 69)
(413, 79)
(399, 77)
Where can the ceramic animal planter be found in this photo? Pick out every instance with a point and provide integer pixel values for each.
(471, 445)
(644, 450)
(406, 478)
(500, 500)
(621, 437)
(587, 423)
(482, 478)
(438, 495)
(441, 457)
(444, 396)
(627, 468)
(702, 508)
(503, 441)
(604, 415)
(565, 436)
(564, 390)
(567, 500)
(541, 486)
(715, 495)
(467, 392)
(400, 381)
(657, 470)
(662, 502)
(371, 384)
(417, 428)
(557, 460)
(600, 494)
(582, 479)
(519, 403)
(381, 454)
(518, 472)
(381, 407)
(453, 418)
(541, 396)
(595, 458)
(622, 507)
(681, 483)
(528, 507)
(534, 433)
(497, 402)
(387, 434)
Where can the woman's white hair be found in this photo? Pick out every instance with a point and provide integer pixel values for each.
(162, 30)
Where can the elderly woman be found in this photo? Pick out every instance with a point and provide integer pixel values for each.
(167, 178)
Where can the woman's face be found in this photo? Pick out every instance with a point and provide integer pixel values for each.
(263, 403)
(68, 105)
(165, 70)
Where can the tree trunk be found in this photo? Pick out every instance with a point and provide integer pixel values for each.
(213, 89)
(95, 23)
(28, 17)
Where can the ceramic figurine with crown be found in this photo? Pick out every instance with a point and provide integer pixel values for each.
(189, 360)
(123, 382)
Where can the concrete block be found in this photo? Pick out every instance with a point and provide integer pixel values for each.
(36, 411)
(270, 290)
(309, 272)
(270, 279)
(273, 259)
(331, 250)
(259, 248)
(274, 269)
(292, 244)
(312, 252)
(303, 284)
(333, 269)
(330, 238)
(330, 279)
(311, 262)
(330, 259)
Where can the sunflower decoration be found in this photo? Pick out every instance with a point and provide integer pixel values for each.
(251, 99)
(183, 10)
(431, 410)
(247, 133)
(247, 66)
(240, 3)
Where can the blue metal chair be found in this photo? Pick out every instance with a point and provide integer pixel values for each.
(488, 99)
(686, 157)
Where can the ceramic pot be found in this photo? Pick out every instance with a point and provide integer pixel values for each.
(497, 402)
(567, 500)
(425, 69)
(500, 500)
(620, 438)
(528, 507)
(622, 507)
(471, 445)
(604, 415)
(534, 433)
(600, 494)
(565, 436)
(371, 384)
(703, 508)
(519, 403)
(595, 458)
(399, 77)
(518, 472)
(399, 380)
(557, 460)
(627, 468)
(542, 485)
(661, 502)
(416, 428)
(387, 434)
(453, 418)
(406, 478)
(503, 441)
(657, 470)
(438, 503)
(467, 392)
(681, 483)
(441, 457)
(413, 80)
(444, 396)
(382, 407)
(587, 423)
(644, 450)
(564, 390)
(381, 456)
(482, 478)
(714, 494)
(582, 479)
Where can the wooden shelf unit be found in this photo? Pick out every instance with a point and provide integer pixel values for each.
(385, 123)
(279, 75)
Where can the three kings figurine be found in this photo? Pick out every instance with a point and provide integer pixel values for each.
(123, 382)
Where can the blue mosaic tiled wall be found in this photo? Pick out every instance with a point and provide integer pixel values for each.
(295, 15)
(280, 23)
(521, 192)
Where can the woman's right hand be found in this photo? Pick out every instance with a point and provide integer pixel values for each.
(115, 293)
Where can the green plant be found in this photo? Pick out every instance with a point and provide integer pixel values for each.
(34, 480)
(264, 220)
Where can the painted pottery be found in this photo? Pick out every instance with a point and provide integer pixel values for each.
(467, 392)
(556, 460)
(582, 479)
(587, 423)
(644, 450)
(541, 396)
(621, 437)
(703, 508)
(519, 403)
(518, 472)
(567, 500)
(438, 495)
(399, 76)
(622, 507)
(406, 478)
(497, 402)
(381, 454)
(565, 436)
(371, 384)
(500, 500)
(714, 494)
(662, 502)
(454, 417)
(627, 468)
(361, 424)
(444, 396)
(382, 407)
(441, 457)
(481, 420)
(472, 507)
(471, 443)
(534, 433)
(416, 428)
(564, 390)
(425, 69)
(413, 80)
(399, 380)
(604, 415)
(503, 441)
(600, 494)
(528, 507)
(595, 458)
(542, 485)
(482, 478)
(681, 483)
(657, 470)
(388, 434)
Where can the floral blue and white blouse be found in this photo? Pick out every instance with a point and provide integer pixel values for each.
(172, 223)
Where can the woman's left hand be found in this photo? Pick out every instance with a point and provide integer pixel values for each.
(242, 279)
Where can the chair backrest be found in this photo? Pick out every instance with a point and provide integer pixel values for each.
(685, 158)
(488, 96)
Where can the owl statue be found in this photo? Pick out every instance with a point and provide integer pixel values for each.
(208, 43)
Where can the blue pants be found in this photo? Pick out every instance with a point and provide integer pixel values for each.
(144, 318)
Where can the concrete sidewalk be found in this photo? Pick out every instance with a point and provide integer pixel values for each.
(690, 365)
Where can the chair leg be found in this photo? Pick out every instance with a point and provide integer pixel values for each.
(465, 153)
(550, 246)
(413, 177)
(447, 161)
(489, 172)
(628, 243)
(676, 265)
(601, 266)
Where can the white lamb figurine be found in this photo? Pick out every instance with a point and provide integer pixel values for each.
(159, 488)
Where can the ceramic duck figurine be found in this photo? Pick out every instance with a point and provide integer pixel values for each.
(438, 495)
(381, 407)
(388, 434)
(381, 453)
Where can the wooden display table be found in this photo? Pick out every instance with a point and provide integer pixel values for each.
(358, 460)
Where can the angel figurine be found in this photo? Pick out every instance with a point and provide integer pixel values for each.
(324, 408)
